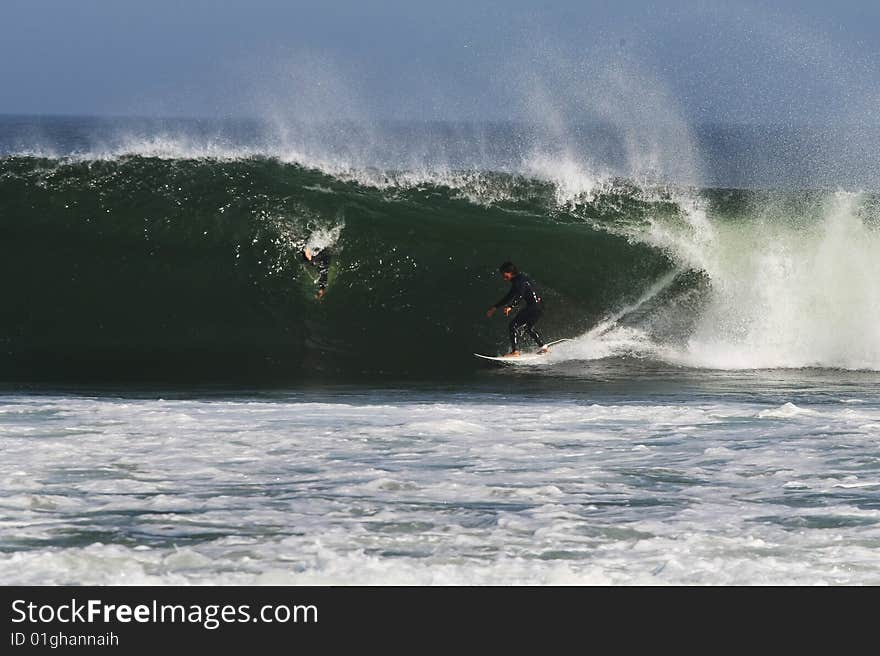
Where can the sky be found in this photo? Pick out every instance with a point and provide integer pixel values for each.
(782, 62)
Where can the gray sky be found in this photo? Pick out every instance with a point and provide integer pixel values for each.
(778, 62)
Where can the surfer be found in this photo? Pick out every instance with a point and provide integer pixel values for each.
(521, 288)
(320, 259)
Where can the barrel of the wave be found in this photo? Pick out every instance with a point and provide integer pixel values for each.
(208, 282)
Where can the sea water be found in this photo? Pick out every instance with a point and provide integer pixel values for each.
(660, 478)
(176, 408)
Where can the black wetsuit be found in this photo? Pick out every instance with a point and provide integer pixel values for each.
(521, 287)
(320, 260)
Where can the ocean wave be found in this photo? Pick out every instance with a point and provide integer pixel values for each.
(168, 262)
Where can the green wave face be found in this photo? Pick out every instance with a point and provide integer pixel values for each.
(174, 269)
(144, 268)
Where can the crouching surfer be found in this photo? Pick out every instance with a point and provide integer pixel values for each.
(521, 289)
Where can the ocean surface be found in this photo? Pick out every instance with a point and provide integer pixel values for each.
(176, 407)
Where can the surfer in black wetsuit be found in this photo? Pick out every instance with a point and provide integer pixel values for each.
(320, 259)
(521, 288)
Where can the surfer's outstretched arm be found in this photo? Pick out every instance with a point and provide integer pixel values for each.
(509, 298)
(507, 308)
(512, 296)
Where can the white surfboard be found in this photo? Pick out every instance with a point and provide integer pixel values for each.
(523, 357)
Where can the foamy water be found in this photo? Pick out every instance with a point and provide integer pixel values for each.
(783, 290)
(439, 487)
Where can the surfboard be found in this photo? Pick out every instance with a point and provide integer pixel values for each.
(523, 357)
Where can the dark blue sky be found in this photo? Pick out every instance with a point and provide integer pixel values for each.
(777, 62)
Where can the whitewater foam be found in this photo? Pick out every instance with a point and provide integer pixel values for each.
(783, 290)
(467, 488)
